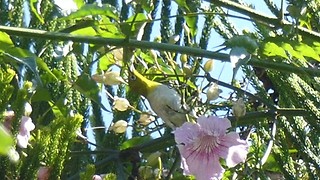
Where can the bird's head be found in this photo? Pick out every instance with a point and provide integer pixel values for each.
(140, 84)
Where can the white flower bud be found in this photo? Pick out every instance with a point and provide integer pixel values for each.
(119, 127)
(120, 104)
(186, 28)
(213, 92)
(173, 39)
(118, 54)
(27, 109)
(109, 78)
(187, 69)
(145, 119)
(96, 177)
(13, 155)
(239, 108)
(208, 66)
(183, 58)
(153, 54)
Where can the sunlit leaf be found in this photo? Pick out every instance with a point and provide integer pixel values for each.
(272, 164)
(106, 61)
(6, 140)
(272, 49)
(94, 9)
(133, 24)
(307, 51)
(134, 142)
(192, 24)
(5, 39)
(316, 47)
(88, 31)
(7, 75)
(183, 4)
(33, 3)
(79, 3)
(289, 49)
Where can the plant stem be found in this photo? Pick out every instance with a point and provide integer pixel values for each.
(120, 42)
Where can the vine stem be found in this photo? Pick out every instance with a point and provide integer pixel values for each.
(121, 42)
(262, 18)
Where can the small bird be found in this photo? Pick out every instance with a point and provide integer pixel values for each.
(164, 101)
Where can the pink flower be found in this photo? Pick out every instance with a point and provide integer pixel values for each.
(44, 173)
(24, 133)
(201, 145)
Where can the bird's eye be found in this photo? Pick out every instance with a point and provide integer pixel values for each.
(132, 77)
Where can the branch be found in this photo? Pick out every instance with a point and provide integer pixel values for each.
(264, 19)
(252, 117)
(120, 42)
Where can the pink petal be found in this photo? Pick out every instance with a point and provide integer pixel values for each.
(214, 124)
(22, 140)
(227, 141)
(186, 133)
(203, 167)
(236, 155)
(44, 173)
(27, 124)
(237, 149)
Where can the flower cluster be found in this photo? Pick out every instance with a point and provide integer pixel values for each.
(202, 144)
(24, 133)
(26, 126)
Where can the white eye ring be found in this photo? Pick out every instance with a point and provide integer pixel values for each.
(132, 77)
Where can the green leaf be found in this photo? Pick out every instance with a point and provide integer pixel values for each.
(109, 29)
(134, 141)
(289, 49)
(92, 10)
(30, 62)
(133, 24)
(6, 75)
(32, 4)
(272, 164)
(87, 31)
(307, 51)
(6, 140)
(316, 47)
(89, 88)
(192, 24)
(272, 49)
(146, 57)
(42, 65)
(79, 3)
(147, 5)
(182, 4)
(5, 39)
(106, 61)
(41, 94)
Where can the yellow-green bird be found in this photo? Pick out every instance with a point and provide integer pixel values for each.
(164, 101)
